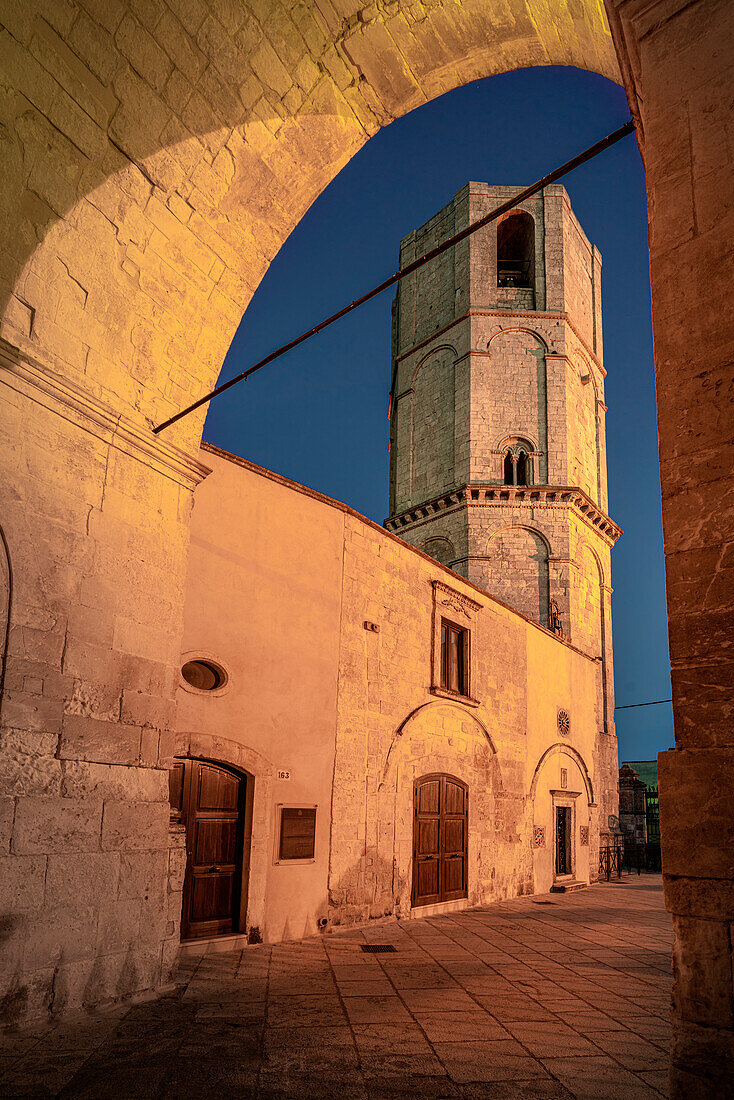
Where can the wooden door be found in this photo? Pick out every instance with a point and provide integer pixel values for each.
(210, 799)
(440, 839)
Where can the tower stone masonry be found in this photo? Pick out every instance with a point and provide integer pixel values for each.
(498, 448)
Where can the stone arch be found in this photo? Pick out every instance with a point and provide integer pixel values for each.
(551, 792)
(446, 738)
(462, 713)
(586, 547)
(585, 461)
(518, 570)
(208, 158)
(568, 750)
(440, 548)
(518, 328)
(516, 249)
(593, 618)
(212, 747)
(526, 418)
(590, 592)
(535, 531)
(6, 606)
(515, 441)
(222, 750)
(144, 200)
(428, 356)
(518, 456)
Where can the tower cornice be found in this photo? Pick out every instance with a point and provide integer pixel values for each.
(481, 495)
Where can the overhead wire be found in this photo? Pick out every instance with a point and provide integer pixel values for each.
(402, 273)
(652, 703)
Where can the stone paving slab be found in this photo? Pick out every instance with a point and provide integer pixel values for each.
(547, 997)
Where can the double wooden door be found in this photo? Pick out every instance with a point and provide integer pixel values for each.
(440, 839)
(210, 799)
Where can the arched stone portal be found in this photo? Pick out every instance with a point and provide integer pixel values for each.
(260, 774)
(561, 787)
(442, 738)
(150, 172)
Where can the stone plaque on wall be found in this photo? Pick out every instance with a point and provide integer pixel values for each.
(539, 836)
(584, 836)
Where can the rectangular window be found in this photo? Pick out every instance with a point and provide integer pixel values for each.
(454, 658)
(297, 832)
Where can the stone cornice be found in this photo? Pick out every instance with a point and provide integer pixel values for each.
(447, 591)
(59, 395)
(532, 496)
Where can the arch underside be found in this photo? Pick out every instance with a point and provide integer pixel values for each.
(144, 214)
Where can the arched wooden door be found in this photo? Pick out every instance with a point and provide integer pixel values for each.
(211, 801)
(440, 839)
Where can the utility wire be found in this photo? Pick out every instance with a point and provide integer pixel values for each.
(654, 703)
(558, 173)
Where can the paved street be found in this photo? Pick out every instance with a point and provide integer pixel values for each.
(553, 996)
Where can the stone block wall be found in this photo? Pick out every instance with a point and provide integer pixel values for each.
(95, 520)
(431, 457)
(427, 301)
(509, 402)
(678, 69)
(392, 728)
(516, 571)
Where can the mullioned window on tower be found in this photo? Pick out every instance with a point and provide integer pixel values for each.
(454, 658)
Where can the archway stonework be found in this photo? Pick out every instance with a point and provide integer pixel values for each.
(547, 789)
(518, 570)
(259, 817)
(153, 165)
(446, 738)
(558, 748)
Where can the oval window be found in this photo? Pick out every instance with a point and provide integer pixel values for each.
(203, 675)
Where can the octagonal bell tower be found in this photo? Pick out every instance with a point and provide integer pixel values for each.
(498, 456)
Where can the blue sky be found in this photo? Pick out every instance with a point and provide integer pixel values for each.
(319, 415)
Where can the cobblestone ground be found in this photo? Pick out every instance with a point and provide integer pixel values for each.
(552, 996)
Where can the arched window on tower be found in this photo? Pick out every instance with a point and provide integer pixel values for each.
(517, 462)
(509, 468)
(516, 250)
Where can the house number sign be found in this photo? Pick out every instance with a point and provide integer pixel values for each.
(283, 775)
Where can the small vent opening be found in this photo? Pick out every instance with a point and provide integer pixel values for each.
(376, 948)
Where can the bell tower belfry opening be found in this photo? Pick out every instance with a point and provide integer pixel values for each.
(498, 451)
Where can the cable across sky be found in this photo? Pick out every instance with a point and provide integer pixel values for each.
(545, 181)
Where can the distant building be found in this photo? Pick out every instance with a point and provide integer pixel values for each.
(638, 801)
(647, 771)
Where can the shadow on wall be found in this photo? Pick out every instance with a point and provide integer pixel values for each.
(368, 890)
(131, 977)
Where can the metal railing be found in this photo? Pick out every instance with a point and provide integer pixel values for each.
(610, 861)
(616, 858)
